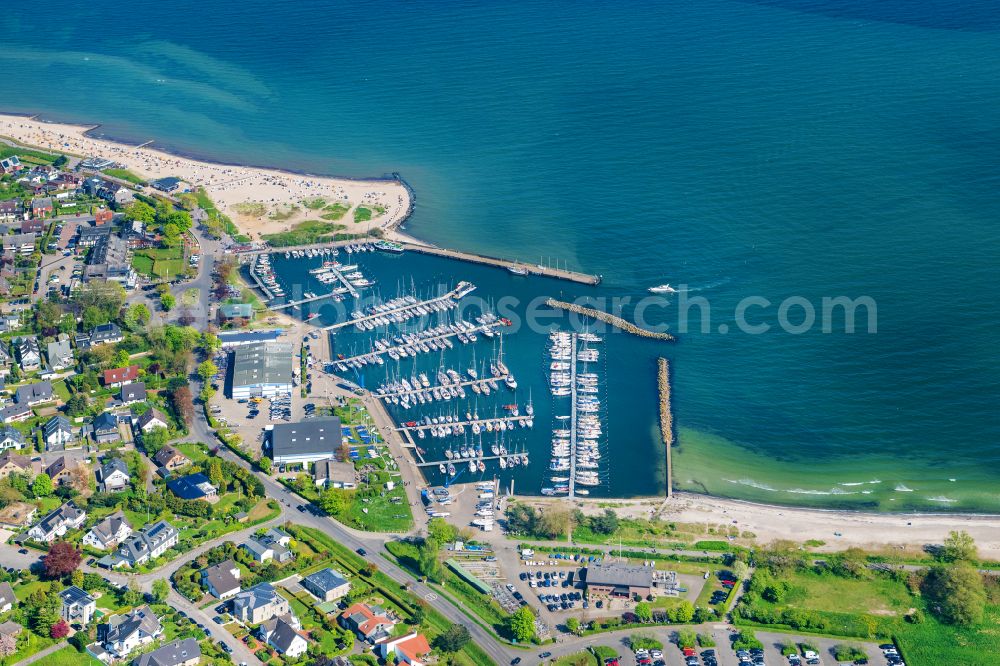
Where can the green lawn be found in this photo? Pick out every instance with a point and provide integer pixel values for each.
(59, 388)
(29, 646)
(308, 232)
(68, 656)
(362, 214)
(844, 595)
(192, 451)
(383, 515)
(164, 262)
(125, 174)
(335, 211)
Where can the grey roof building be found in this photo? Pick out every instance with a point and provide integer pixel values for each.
(11, 438)
(78, 607)
(147, 544)
(110, 531)
(261, 369)
(185, 652)
(34, 394)
(222, 579)
(327, 584)
(259, 604)
(57, 433)
(133, 392)
(306, 442)
(60, 354)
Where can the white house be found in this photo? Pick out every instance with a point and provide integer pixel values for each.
(56, 524)
(222, 579)
(282, 633)
(410, 649)
(124, 633)
(109, 532)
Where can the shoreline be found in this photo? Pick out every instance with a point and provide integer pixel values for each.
(179, 160)
(276, 194)
(771, 522)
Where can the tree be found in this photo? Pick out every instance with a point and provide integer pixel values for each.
(686, 638)
(552, 523)
(207, 370)
(210, 343)
(441, 530)
(120, 359)
(521, 624)
(740, 570)
(682, 613)
(77, 405)
(76, 578)
(171, 235)
(335, 501)
(215, 473)
(59, 630)
(573, 625)
(61, 560)
(958, 547)
(453, 639)
(644, 611)
(606, 523)
(42, 485)
(136, 316)
(139, 211)
(167, 302)
(161, 589)
(183, 404)
(264, 464)
(132, 595)
(427, 559)
(956, 593)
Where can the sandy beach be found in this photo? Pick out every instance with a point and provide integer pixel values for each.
(873, 531)
(229, 186)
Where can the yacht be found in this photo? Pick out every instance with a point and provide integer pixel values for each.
(662, 289)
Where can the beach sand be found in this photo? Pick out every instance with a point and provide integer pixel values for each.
(874, 531)
(228, 186)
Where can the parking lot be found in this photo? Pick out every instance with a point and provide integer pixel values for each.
(722, 654)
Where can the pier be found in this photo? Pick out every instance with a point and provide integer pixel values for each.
(559, 273)
(293, 304)
(454, 293)
(463, 384)
(573, 435)
(428, 426)
(607, 318)
(344, 281)
(260, 284)
(459, 461)
(409, 346)
(666, 417)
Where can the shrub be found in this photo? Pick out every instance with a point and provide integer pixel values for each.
(845, 652)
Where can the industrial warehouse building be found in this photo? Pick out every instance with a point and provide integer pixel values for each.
(628, 580)
(261, 369)
(306, 442)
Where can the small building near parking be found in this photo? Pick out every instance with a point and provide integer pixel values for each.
(306, 442)
(626, 580)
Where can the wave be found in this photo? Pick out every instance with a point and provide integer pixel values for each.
(752, 484)
(900, 488)
(941, 498)
(860, 483)
(833, 491)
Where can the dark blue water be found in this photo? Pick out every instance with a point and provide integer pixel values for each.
(777, 148)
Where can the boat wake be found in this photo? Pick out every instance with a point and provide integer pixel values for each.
(710, 285)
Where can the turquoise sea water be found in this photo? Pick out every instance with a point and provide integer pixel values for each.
(771, 149)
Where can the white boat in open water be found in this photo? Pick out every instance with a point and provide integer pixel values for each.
(662, 289)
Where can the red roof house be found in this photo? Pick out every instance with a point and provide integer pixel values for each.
(120, 376)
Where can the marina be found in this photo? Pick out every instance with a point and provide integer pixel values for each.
(408, 308)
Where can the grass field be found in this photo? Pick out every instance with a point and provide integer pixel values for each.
(362, 214)
(159, 262)
(383, 515)
(578, 659)
(335, 211)
(308, 232)
(843, 595)
(125, 174)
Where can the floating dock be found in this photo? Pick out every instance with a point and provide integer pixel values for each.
(463, 384)
(426, 426)
(573, 435)
(459, 291)
(293, 304)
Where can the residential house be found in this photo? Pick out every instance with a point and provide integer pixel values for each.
(10, 164)
(10, 629)
(184, 652)
(102, 216)
(14, 413)
(150, 419)
(19, 243)
(41, 207)
(34, 394)
(170, 458)
(12, 210)
(222, 580)
(124, 633)
(105, 428)
(5, 291)
(91, 236)
(28, 353)
(11, 438)
(259, 604)
(332, 473)
(410, 649)
(193, 487)
(109, 532)
(77, 607)
(5, 357)
(114, 475)
(60, 354)
(111, 260)
(14, 463)
(272, 545)
(7, 598)
(369, 623)
(33, 226)
(132, 393)
(147, 544)
(57, 433)
(106, 334)
(57, 523)
(282, 634)
(60, 471)
(118, 377)
(327, 584)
